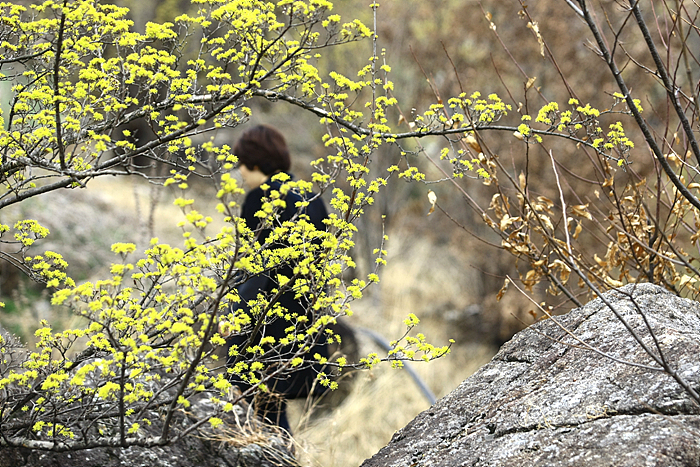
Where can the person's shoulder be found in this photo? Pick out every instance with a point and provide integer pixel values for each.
(255, 193)
(317, 207)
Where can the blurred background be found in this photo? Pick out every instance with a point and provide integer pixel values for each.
(448, 276)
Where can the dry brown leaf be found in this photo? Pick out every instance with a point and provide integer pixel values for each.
(530, 82)
(546, 201)
(577, 231)
(507, 221)
(432, 198)
(547, 222)
(472, 142)
(612, 282)
(536, 29)
(581, 210)
(530, 279)
(685, 279)
(563, 268)
(503, 290)
(673, 158)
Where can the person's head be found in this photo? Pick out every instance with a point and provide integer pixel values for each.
(263, 148)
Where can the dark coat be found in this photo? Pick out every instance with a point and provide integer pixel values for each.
(299, 383)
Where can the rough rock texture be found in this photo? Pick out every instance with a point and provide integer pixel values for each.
(542, 401)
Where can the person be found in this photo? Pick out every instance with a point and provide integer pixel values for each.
(262, 153)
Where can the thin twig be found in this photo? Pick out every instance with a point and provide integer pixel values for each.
(584, 345)
(57, 87)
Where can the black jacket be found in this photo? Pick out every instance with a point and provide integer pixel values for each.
(299, 383)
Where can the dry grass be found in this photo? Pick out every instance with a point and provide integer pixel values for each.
(420, 278)
(381, 402)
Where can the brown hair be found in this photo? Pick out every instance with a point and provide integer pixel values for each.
(265, 148)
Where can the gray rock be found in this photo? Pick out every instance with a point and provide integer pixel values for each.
(545, 401)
